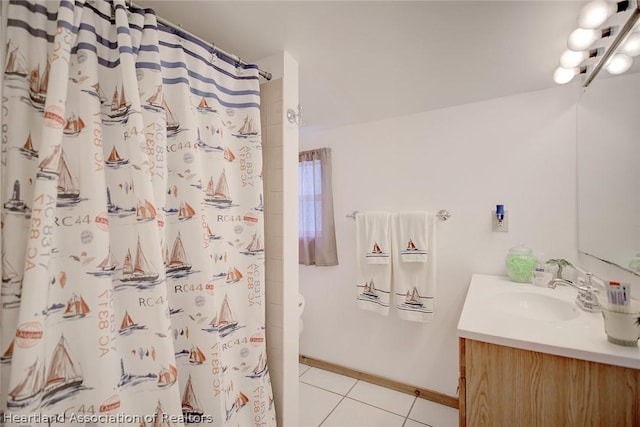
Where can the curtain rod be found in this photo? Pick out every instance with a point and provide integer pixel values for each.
(267, 75)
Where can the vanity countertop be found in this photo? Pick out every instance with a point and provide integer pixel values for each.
(580, 337)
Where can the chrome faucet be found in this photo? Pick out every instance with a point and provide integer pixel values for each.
(555, 282)
(587, 299)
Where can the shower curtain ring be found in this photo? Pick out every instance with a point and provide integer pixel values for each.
(239, 69)
(214, 53)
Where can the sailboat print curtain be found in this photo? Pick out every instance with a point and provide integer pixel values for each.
(132, 224)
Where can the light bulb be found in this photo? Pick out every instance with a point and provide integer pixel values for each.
(631, 46)
(571, 58)
(595, 14)
(619, 63)
(581, 39)
(563, 75)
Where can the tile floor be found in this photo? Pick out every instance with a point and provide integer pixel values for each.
(328, 399)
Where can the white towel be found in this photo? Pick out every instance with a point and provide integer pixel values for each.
(412, 237)
(375, 237)
(373, 245)
(414, 271)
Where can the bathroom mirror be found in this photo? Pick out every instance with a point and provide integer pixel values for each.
(608, 162)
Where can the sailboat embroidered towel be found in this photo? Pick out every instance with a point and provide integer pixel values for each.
(375, 239)
(414, 267)
(412, 236)
(373, 244)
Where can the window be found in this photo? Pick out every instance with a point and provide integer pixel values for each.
(310, 185)
(317, 239)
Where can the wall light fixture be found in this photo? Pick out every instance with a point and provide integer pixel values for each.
(565, 75)
(619, 63)
(632, 45)
(604, 39)
(596, 13)
(581, 38)
(572, 59)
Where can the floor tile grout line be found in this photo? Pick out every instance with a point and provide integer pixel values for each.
(305, 371)
(331, 412)
(322, 388)
(344, 396)
(374, 406)
(413, 419)
(382, 409)
(409, 412)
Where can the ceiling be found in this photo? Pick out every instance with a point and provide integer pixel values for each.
(361, 61)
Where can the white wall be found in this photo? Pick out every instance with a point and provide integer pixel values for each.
(518, 151)
(280, 154)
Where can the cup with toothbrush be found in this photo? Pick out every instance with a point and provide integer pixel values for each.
(621, 315)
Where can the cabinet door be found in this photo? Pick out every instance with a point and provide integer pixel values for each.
(462, 385)
(507, 386)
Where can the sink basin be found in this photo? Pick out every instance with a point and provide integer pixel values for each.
(535, 306)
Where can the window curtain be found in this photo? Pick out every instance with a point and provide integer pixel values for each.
(317, 241)
(132, 223)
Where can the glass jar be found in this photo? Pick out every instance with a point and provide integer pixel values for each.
(520, 264)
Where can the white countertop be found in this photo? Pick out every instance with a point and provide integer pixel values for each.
(581, 338)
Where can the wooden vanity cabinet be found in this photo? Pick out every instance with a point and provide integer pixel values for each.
(505, 386)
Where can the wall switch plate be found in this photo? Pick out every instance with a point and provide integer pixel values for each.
(504, 226)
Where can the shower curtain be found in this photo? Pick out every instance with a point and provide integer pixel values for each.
(132, 224)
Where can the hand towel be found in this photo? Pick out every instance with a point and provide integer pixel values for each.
(414, 272)
(376, 240)
(412, 236)
(373, 244)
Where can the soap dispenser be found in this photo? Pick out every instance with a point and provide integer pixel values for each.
(542, 274)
